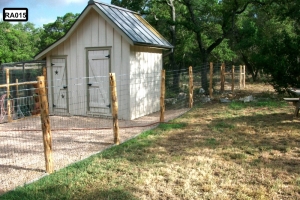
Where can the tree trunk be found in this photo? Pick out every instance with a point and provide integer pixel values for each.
(204, 71)
(249, 68)
(175, 67)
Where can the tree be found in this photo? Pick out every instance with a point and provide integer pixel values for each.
(17, 42)
(53, 31)
(267, 38)
(211, 21)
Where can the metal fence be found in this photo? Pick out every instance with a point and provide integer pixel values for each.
(81, 117)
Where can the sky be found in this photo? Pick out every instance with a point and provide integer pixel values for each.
(45, 11)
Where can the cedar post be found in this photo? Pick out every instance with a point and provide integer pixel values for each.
(162, 96)
(191, 87)
(211, 69)
(8, 96)
(222, 77)
(45, 121)
(46, 82)
(244, 77)
(114, 102)
(232, 76)
(17, 88)
(241, 71)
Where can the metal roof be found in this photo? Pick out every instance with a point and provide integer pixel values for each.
(134, 26)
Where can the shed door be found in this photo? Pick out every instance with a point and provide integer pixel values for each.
(98, 82)
(59, 84)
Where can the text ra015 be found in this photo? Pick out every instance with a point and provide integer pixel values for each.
(15, 14)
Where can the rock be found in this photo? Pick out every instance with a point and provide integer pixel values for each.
(201, 91)
(181, 95)
(205, 99)
(170, 101)
(225, 100)
(247, 99)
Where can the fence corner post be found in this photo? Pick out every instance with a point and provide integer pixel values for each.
(45, 121)
(191, 87)
(114, 101)
(162, 95)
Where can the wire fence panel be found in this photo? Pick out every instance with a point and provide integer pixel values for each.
(21, 145)
(80, 116)
(177, 91)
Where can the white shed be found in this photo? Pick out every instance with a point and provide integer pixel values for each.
(104, 39)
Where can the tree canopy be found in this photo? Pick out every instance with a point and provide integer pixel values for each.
(262, 34)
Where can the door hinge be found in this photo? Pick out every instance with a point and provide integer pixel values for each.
(108, 56)
(108, 105)
(52, 64)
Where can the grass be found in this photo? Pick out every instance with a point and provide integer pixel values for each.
(215, 151)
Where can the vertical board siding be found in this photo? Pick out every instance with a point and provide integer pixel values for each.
(137, 68)
(146, 64)
(101, 31)
(49, 78)
(93, 31)
(125, 81)
(71, 65)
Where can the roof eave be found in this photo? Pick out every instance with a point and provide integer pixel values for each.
(154, 45)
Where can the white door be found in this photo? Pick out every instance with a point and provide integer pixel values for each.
(59, 85)
(98, 82)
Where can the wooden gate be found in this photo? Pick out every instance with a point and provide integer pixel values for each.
(98, 82)
(59, 85)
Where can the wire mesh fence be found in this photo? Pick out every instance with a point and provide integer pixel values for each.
(81, 117)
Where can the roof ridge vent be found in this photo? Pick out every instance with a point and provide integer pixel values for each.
(91, 2)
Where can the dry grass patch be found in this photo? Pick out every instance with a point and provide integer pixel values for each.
(216, 151)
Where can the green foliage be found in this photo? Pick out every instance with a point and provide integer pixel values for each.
(22, 41)
(54, 31)
(282, 60)
(263, 35)
(18, 41)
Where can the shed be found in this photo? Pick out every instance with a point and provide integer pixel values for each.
(105, 38)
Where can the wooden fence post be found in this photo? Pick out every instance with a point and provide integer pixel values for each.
(241, 71)
(222, 77)
(211, 70)
(191, 87)
(114, 102)
(45, 121)
(17, 88)
(232, 76)
(46, 82)
(8, 96)
(162, 95)
(244, 77)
